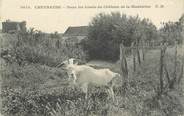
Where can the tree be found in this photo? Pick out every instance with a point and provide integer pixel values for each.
(173, 31)
(107, 31)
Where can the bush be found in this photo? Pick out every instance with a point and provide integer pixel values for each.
(21, 88)
(107, 31)
(40, 49)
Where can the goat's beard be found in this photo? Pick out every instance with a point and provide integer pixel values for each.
(72, 84)
(71, 80)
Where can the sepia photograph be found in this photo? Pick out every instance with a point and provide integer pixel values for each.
(91, 58)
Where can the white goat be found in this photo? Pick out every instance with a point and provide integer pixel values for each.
(84, 75)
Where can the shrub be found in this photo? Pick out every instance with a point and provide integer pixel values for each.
(107, 31)
(40, 49)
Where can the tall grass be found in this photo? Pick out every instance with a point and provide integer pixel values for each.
(39, 48)
(27, 59)
(32, 86)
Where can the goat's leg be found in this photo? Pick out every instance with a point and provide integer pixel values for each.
(110, 89)
(74, 78)
(111, 93)
(85, 89)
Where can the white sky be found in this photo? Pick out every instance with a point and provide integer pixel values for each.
(50, 20)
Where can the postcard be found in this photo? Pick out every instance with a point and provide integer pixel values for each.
(91, 58)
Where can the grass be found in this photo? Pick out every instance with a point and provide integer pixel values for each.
(37, 88)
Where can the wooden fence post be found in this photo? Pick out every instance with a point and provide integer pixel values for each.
(162, 54)
(171, 86)
(143, 52)
(123, 63)
(134, 55)
(181, 73)
(138, 53)
(182, 68)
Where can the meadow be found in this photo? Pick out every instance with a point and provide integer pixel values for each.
(31, 85)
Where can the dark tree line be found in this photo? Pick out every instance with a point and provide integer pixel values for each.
(107, 31)
(173, 31)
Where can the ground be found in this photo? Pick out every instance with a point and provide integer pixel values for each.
(29, 89)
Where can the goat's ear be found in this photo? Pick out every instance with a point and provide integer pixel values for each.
(76, 62)
(59, 65)
(71, 61)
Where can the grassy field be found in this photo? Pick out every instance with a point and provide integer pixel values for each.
(40, 89)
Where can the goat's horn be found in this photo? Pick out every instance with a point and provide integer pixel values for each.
(59, 65)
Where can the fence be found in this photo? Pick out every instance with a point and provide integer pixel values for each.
(138, 56)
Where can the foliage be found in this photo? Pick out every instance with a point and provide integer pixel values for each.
(21, 85)
(107, 31)
(36, 47)
(30, 86)
(38, 90)
(173, 31)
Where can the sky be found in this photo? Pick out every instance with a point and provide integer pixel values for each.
(51, 20)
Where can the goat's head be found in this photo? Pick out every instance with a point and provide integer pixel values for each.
(68, 66)
(66, 63)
